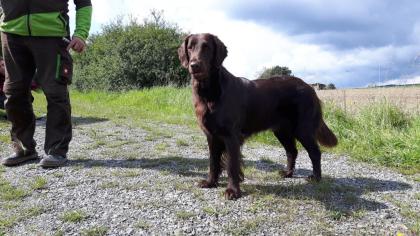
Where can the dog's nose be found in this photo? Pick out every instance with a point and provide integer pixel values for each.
(194, 65)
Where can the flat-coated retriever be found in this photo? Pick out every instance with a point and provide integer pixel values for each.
(230, 109)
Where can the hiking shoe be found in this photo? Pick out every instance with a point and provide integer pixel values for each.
(53, 161)
(19, 158)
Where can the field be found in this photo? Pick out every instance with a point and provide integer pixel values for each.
(380, 126)
(353, 100)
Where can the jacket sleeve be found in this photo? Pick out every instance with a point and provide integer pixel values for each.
(83, 18)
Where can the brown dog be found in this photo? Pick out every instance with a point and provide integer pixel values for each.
(230, 109)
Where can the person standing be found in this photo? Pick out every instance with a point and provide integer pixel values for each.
(35, 36)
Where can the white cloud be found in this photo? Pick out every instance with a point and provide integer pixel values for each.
(253, 46)
(404, 81)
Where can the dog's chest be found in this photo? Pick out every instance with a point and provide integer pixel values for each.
(206, 113)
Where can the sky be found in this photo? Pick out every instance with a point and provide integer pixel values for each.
(349, 43)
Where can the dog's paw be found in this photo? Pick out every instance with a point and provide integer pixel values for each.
(207, 184)
(286, 174)
(313, 178)
(231, 194)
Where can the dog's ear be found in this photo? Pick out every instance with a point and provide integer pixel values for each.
(220, 52)
(183, 52)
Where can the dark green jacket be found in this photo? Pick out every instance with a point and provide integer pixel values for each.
(44, 17)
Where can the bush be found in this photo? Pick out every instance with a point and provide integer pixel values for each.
(274, 71)
(131, 56)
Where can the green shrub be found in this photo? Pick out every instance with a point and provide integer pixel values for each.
(131, 56)
(274, 71)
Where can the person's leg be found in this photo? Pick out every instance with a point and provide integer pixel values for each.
(20, 68)
(50, 54)
(2, 99)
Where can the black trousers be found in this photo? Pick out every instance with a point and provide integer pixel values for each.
(48, 57)
(2, 99)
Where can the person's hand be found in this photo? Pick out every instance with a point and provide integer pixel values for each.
(77, 44)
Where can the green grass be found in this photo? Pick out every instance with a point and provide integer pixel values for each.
(39, 183)
(246, 227)
(73, 216)
(209, 210)
(184, 215)
(95, 231)
(142, 224)
(167, 104)
(108, 185)
(8, 192)
(8, 220)
(380, 133)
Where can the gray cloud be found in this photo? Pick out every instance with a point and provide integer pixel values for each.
(342, 24)
(343, 27)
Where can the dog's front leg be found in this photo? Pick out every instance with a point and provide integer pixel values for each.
(233, 190)
(216, 148)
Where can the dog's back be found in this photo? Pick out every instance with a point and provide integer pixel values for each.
(280, 103)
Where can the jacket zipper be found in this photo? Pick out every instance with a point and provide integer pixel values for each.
(28, 18)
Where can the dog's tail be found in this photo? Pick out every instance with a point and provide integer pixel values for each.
(325, 136)
(224, 160)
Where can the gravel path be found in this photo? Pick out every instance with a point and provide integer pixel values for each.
(124, 180)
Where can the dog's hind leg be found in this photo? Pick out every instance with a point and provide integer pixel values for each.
(216, 148)
(289, 144)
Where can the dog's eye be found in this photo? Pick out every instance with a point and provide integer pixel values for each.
(205, 46)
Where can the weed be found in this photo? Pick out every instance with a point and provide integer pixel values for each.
(74, 216)
(39, 183)
(184, 215)
(95, 231)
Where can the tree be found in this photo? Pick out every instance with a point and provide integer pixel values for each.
(331, 86)
(131, 56)
(275, 71)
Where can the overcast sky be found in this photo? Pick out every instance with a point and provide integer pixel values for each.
(348, 43)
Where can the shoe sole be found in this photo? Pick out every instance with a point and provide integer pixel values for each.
(52, 165)
(21, 160)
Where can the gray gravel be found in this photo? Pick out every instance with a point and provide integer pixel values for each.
(126, 180)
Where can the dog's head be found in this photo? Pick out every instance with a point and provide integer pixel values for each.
(201, 53)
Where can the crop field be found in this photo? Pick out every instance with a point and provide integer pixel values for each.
(352, 100)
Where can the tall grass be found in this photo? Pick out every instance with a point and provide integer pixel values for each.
(379, 133)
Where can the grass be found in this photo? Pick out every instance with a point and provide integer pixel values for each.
(108, 185)
(8, 220)
(95, 231)
(184, 215)
(182, 143)
(74, 216)
(246, 227)
(8, 192)
(144, 225)
(379, 133)
(407, 211)
(209, 210)
(39, 183)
